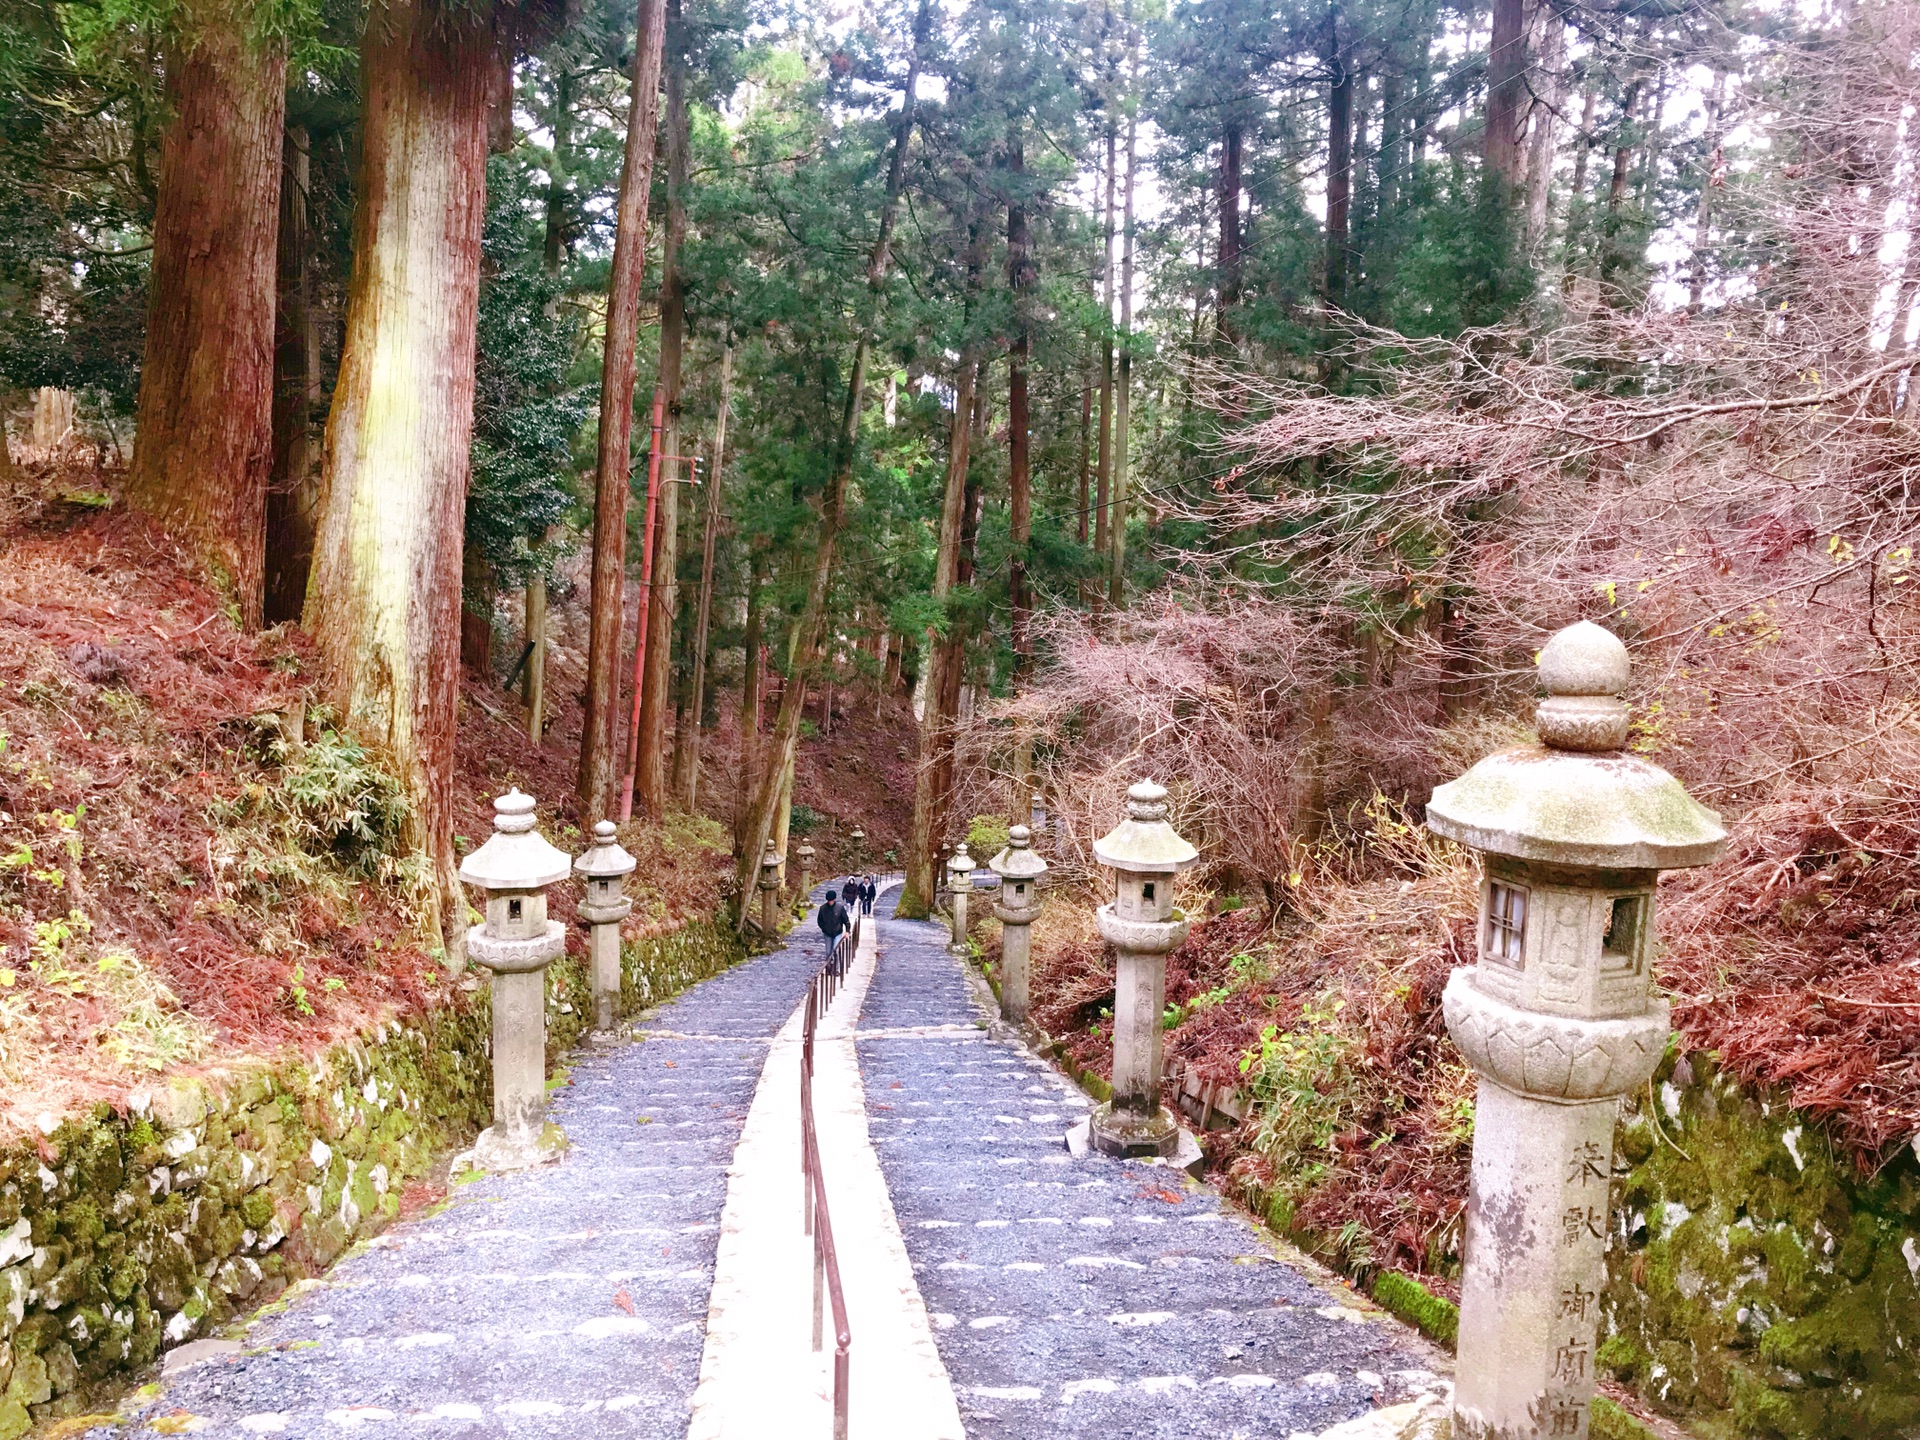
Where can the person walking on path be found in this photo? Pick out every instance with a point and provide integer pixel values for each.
(834, 920)
(867, 891)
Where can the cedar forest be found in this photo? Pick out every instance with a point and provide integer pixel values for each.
(766, 419)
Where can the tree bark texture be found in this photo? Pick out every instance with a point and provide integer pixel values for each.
(1339, 162)
(1506, 90)
(1020, 281)
(688, 755)
(811, 627)
(1540, 144)
(612, 485)
(1231, 140)
(753, 672)
(916, 897)
(293, 488)
(1123, 384)
(384, 604)
(204, 442)
(663, 596)
(1103, 466)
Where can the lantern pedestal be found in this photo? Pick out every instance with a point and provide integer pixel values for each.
(520, 1136)
(603, 869)
(1016, 906)
(960, 884)
(1558, 1020)
(517, 942)
(1133, 1123)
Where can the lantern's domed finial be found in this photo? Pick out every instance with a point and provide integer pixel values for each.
(1585, 670)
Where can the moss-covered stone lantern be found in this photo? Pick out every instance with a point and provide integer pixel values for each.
(603, 870)
(1145, 854)
(770, 862)
(805, 852)
(517, 942)
(1016, 905)
(959, 886)
(1559, 1020)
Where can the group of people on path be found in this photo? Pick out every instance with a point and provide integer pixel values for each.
(836, 910)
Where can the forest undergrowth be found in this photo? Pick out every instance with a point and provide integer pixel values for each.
(199, 871)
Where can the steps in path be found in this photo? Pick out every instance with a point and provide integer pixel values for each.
(1089, 1296)
(565, 1301)
(997, 1287)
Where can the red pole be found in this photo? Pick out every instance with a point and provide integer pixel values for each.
(646, 599)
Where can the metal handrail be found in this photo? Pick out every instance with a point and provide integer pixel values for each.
(816, 1219)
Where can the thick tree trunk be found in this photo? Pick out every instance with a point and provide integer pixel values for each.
(611, 485)
(811, 625)
(1081, 500)
(753, 677)
(384, 605)
(1339, 162)
(688, 755)
(204, 443)
(1540, 145)
(1231, 139)
(477, 590)
(1123, 387)
(663, 596)
(923, 838)
(1103, 469)
(293, 490)
(534, 685)
(1020, 281)
(1506, 91)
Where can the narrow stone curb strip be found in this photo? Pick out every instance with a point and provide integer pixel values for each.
(759, 1374)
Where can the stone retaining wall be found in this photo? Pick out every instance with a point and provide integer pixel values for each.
(1758, 1284)
(123, 1235)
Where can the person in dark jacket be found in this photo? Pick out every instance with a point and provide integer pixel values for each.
(867, 891)
(833, 919)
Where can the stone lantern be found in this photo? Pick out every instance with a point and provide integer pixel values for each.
(1145, 854)
(959, 886)
(859, 841)
(603, 869)
(517, 942)
(769, 889)
(805, 853)
(1017, 906)
(1558, 1020)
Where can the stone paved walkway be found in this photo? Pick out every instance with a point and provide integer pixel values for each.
(1088, 1296)
(567, 1301)
(1065, 1297)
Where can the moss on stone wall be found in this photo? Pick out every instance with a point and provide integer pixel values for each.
(122, 1235)
(1758, 1285)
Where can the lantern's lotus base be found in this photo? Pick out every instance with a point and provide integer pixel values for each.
(1186, 1153)
(499, 1150)
(1132, 1135)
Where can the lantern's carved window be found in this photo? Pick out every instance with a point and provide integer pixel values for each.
(1506, 929)
(513, 909)
(1146, 892)
(1624, 944)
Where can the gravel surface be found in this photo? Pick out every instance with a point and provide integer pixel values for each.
(567, 1301)
(1089, 1296)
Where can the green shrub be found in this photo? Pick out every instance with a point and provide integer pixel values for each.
(343, 806)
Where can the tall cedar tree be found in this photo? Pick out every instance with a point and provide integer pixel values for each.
(611, 485)
(384, 601)
(205, 439)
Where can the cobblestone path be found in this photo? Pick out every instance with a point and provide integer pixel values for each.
(568, 1301)
(1088, 1296)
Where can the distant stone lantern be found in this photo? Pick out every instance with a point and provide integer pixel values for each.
(770, 890)
(1017, 906)
(859, 842)
(1558, 1020)
(517, 942)
(805, 853)
(959, 886)
(1141, 924)
(603, 869)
